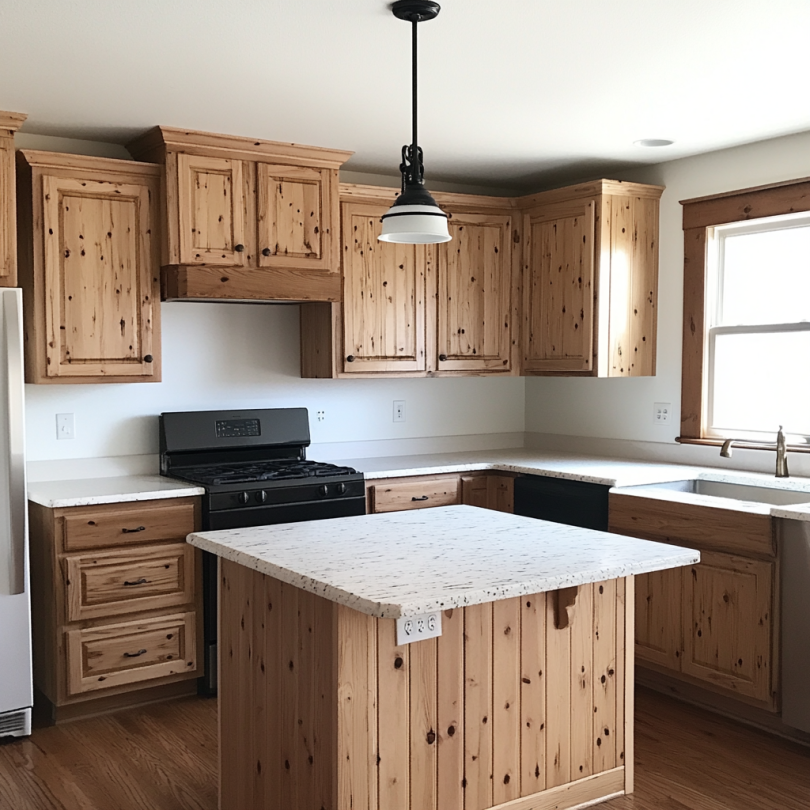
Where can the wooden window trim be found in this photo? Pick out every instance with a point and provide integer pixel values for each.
(700, 214)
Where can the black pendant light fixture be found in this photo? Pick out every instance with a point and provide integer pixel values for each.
(415, 218)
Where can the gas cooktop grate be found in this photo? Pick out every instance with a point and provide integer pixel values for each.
(261, 471)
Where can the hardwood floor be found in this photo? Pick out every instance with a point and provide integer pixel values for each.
(164, 757)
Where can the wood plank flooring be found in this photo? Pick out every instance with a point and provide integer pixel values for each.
(164, 757)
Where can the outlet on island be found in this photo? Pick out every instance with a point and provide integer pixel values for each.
(419, 628)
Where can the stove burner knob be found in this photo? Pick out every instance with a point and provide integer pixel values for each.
(243, 497)
(323, 490)
(341, 489)
(261, 496)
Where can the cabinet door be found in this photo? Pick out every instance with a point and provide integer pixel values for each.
(727, 624)
(295, 217)
(211, 199)
(489, 492)
(474, 294)
(8, 244)
(101, 282)
(559, 279)
(659, 636)
(383, 295)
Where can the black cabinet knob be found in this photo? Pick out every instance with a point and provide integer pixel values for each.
(341, 489)
(148, 358)
(350, 358)
(442, 357)
(243, 497)
(261, 496)
(267, 252)
(239, 248)
(323, 490)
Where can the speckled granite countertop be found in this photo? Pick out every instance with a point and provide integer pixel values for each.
(408, 563)
(117, 489)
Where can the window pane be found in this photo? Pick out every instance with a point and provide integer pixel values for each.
(767, 277)
(762, 381)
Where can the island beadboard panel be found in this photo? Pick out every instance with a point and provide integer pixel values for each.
(523, 703)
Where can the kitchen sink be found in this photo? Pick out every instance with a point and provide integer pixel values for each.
(736, 492)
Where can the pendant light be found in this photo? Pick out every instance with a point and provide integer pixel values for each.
(415, 218)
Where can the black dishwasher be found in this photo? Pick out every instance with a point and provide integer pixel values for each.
(575, 503)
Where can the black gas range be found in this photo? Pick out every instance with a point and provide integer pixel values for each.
(254, 468)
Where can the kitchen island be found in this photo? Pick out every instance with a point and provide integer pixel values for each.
(525, 700)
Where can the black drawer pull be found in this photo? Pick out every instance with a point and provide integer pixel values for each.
(443, 358)
(267, 252)
(422, 498)
(239, 248)
(134, 655)
(132, 531)
(141, 581)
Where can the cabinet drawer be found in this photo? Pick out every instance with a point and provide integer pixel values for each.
(414, 495)
(119, 654)
(127, 526)
(129, 580)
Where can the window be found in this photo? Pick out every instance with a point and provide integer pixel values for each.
(758, 329)
(746, 326)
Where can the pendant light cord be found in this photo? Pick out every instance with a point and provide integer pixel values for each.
(414, 99)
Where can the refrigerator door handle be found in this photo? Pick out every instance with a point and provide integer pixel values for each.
(16, 542)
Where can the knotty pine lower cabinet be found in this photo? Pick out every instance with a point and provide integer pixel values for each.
(116, 604)
(321, 710)
(489, 491)
(714, 624)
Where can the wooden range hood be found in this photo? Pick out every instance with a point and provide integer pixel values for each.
(246, 219)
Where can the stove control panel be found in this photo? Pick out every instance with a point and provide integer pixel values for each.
(238, 428)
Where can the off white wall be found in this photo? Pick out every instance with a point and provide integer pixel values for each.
(247, 356)
(623, 408)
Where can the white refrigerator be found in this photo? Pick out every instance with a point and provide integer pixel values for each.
(16, 680)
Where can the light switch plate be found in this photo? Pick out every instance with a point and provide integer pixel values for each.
(65, 426)
(399, 410)
(419, 628)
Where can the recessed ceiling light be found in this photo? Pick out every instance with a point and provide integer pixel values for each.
(653, 142)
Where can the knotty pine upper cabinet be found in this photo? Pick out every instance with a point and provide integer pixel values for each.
(591, 280)
(474, 296)
(384, 297)
(247, 219)
(9, 123)
(418, 310)
(88, 263)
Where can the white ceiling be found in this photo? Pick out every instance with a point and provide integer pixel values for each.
(515, 93)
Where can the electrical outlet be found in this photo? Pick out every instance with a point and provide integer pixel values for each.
(418, 628)
(321, 415)
(662, 413)
(65, 426)
(399, 410)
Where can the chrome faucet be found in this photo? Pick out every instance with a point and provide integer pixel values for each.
(781, 453)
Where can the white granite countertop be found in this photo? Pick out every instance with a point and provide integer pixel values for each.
(592, 469)
(117, 489)
(408, 563)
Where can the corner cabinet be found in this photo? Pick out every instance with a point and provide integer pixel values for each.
(246, 219)
(88, 264)
(591, 280)
(9, 123)
(418, 310)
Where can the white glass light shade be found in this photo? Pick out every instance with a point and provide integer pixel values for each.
(415, 225)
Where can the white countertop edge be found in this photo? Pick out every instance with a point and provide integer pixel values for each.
(791, 512)
(129, 497)
(390, 610)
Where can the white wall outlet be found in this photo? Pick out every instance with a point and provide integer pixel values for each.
(399, 410)
(320, 415)
(662, 413)
(418, 628)
(65, 426)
